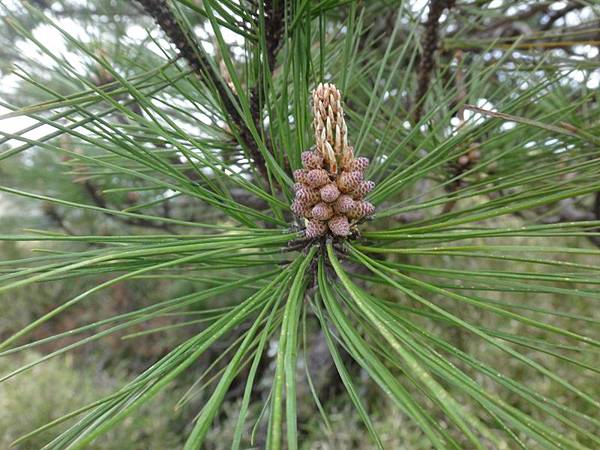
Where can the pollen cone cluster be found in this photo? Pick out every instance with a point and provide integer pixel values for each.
(330, 188)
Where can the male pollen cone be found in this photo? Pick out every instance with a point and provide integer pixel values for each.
(330, 188)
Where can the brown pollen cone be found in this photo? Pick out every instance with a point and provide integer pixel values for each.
(330, 188)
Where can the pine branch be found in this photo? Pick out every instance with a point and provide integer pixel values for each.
(429, 46)
(50, 211)
(274, 27)
(189, 50)
(273, 30)
(96, 195)
(470, 157)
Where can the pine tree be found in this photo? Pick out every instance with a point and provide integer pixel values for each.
(416, 188)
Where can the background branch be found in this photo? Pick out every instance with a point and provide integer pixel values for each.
(195, 57)
(429, 46)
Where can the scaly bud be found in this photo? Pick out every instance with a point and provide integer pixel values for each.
(312, 160)
(329, 193)
(300, 209)
(300, 176)
(317, 178)
(361, 209)
(343, 204)
(339, 225)
(348, 181)
(463, 160)
(474, 155)
(360, 164)
(315, 228)
(308, 196)
(363, 188)
(322, 211)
